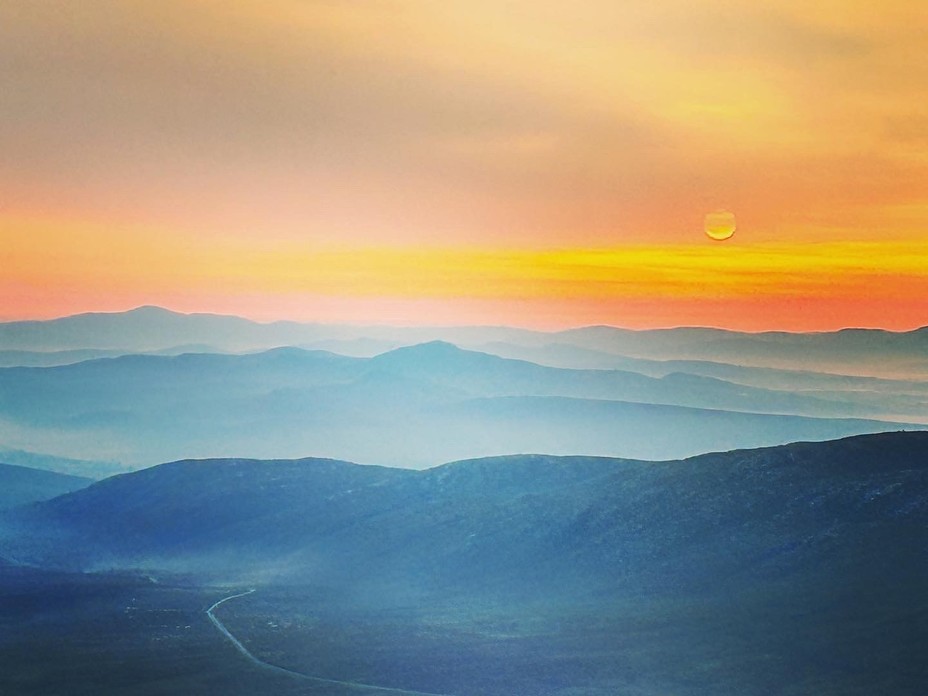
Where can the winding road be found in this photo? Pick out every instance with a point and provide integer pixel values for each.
(289, 672)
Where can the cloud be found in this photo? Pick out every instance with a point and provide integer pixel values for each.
(535, 122)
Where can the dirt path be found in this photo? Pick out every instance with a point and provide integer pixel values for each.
(289, 672)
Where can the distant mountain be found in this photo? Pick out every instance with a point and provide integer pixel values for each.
(142, 329)
(856, 351)
(25, 358)
(356, 347)
(20, 485)
(80, 468)
(573, 357)
(413, 406)
(647, 431)
(147, 329)
(433, 401)
(488, 375)
(847, 511)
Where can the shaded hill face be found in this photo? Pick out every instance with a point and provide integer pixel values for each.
(20, 485)
(849, 511)
(796, 569)
(412, 406)
(80, 468)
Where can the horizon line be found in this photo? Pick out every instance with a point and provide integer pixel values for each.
(410, 325)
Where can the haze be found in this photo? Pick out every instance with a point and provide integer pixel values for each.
(538, 164)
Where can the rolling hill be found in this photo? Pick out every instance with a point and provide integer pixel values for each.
(801, 566)
(20, 485)
(736, 514)
(412, 406)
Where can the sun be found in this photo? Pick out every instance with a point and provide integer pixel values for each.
(720, 225)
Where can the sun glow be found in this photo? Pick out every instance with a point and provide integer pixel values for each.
(149, 265)
(257, 154)
(720, 225)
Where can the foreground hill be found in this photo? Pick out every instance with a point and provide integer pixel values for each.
(20, 485)
(794, 570)
(823, 509)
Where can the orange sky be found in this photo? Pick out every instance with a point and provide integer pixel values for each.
(533, 163)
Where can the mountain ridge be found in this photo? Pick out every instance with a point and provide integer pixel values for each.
(419, 404)
(21, 485)
(199, 511)
(74, 324)
(800, 565)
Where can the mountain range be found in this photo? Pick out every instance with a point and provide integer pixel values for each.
(412, 406)
(866, 352)
(20, 485)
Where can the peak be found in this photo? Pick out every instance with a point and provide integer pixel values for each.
(429, 348)
(435, 346)
(151, 310)
(432, 356)
(143, 310)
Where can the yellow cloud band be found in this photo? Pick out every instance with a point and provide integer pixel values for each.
(87, 256)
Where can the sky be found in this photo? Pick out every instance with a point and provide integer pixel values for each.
(532, 163)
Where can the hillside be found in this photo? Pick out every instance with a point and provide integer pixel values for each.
(769, 511)
(20, 485)
(801, 565)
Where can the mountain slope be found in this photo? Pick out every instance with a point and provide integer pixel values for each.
(20, 485)
(82, 468)
(580, 524)
(801, 566)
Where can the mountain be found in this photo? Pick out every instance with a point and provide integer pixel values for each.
(800, 565)
(604, 427)
(488, 375)
(144, 328)
(867, 352)
(25, 358)
(81, 468)
(564, 355)
(412, 406)
(147, 329)
(848, 508)
(20, 485)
